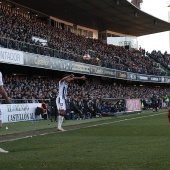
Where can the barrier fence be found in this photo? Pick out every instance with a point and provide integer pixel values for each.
(26, 111)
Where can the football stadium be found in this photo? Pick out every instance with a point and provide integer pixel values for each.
(77, 92)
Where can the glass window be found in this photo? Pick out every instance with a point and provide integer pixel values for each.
(85, 33)
(99, 36)
(79, 31)
(52, 22)
(90, 34)
(103, 36)
(109, 35)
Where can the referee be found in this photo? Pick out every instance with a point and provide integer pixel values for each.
(154, 101)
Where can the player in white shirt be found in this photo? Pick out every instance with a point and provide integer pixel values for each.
(62, 96)
(4, 95)
(7, 100)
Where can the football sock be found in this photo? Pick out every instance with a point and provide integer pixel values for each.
(60, 121)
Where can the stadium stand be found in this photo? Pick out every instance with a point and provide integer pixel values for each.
(17, 32)
(23, 33)
(163, 59)
(26, 89)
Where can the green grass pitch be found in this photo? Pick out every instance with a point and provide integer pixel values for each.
(133, 142)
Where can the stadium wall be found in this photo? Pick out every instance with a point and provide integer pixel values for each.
(39, 61)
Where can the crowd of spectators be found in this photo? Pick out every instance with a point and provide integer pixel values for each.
(162, 58)
(17, 31)
(82, 97)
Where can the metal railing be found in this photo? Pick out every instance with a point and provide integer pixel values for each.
(38, 49)
(57, 53)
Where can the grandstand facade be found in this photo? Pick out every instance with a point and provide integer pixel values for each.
(35, 43)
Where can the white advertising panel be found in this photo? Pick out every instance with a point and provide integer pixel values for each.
(11, 56)
(18, 112)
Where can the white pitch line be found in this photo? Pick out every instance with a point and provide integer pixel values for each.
(118, 121)
(101, 124)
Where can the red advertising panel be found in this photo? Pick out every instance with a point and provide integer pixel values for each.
(133, 105)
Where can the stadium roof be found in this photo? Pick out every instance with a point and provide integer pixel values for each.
(113, 15)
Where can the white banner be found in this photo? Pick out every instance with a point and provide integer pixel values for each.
(11, 56)
(18, 112)
(143, 77)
